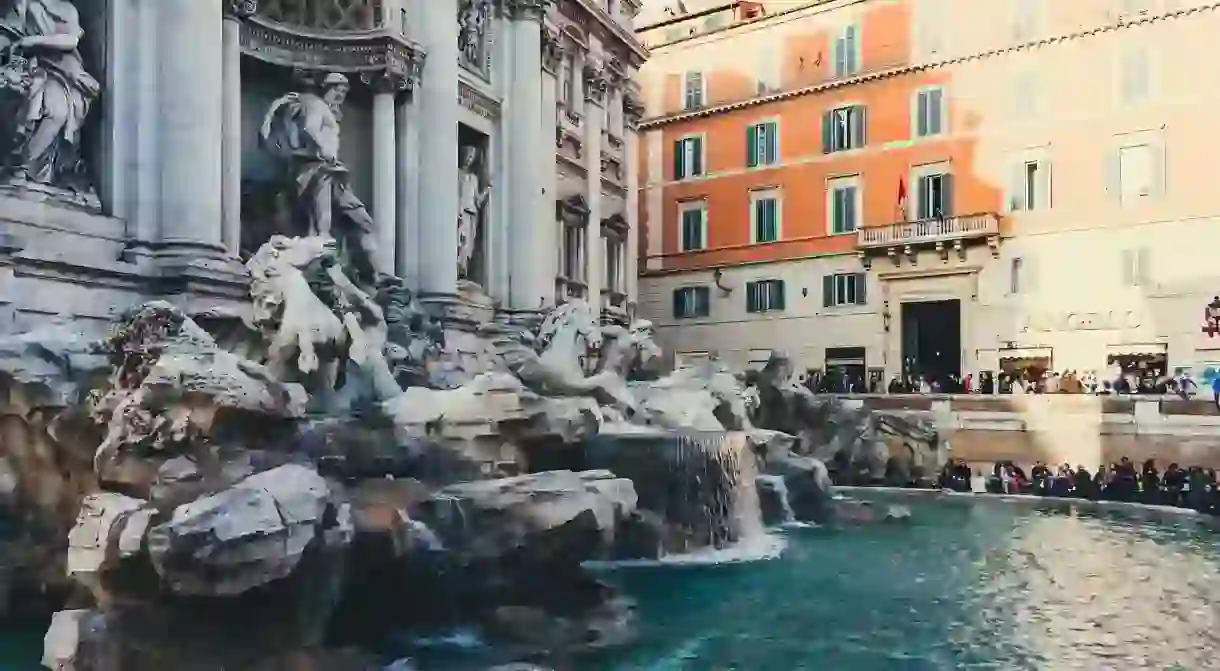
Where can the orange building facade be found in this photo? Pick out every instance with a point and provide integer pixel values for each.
(932, 186)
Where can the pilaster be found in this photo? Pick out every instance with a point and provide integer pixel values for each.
(595, 85)
(235, 11)
(631, 155)
(438, 154)
(386, 87)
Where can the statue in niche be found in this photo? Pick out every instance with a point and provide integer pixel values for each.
(472, 194)
(473, 19)
(302, 129)
(41, 67)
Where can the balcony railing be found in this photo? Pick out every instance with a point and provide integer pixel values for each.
(924, 231)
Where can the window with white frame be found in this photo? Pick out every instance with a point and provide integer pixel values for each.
(843, 204)
(1016, 276)
(762, 144)
(1135, 74)
(929, 26)
(1030, 185)
(765, 207)
(934, 196)
(765, 296)
(843, 128)
(574, 251)
(930, 112)
(688, 157)
(1026, 95)
(842, 289)
(1026, 19)
(1135, 269)
(692, 302)
(565, 76)
(692, 91)
(1136, 171)
(769, 68)
(692, 224)
(847, 52)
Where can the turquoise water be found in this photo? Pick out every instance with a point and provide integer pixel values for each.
(962, 585)
(20, 649)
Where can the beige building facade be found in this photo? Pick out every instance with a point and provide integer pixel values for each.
(1083, 141)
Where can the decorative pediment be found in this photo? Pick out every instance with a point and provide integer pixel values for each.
(573, 209)
(347, 36)
(616, 223)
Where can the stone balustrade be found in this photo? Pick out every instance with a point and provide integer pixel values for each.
(1058, 428)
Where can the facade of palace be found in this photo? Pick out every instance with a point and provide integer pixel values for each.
(482, 150)
(844, 180)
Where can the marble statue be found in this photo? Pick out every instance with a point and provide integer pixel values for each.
(473, 19)
(472, 198)
(41, 66)
(302, 128)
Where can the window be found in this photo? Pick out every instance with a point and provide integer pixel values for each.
(574, 252)
(762, 144)
(691, 302)
(1026, 96)
(673, 34)
(688, 157)
(930, 112)
(934, 196)
(769, 68)
(929, 25)
(1014, 275)
(1135, 267)
(844, 205)
(847, 52)
(1138, 173)
(693, 91)
(693, 222)
(615, 261)
(764, 216)
(565, 76)
(843, 289)
(1031, 186)
(765, 296)
(1135, 75)
(1027, 15)
(843, 129)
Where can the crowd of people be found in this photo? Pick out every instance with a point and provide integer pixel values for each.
(1182, 384)
(1192, 487)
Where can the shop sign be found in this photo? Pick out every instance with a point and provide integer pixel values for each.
(1111, 320)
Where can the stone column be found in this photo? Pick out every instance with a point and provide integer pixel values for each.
(528, 283)
(191, 111)
(631, 156)
(406, 237)
(547, 229)
(595, 97)
(438, 149)
(385, 167)
(230, 140)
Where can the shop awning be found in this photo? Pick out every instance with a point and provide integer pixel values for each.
(1024, 353)
(1138, 349)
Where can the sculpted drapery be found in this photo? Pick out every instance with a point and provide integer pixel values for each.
(40, 62)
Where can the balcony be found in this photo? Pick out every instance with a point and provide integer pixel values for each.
(942, 234)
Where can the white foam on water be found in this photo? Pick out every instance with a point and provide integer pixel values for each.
(680, 657)
(762, 547)
(461, 638)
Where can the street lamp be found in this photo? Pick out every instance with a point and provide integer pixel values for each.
(1211, 318)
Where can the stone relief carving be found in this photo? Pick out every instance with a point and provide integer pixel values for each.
(552, 49)
(332, 15)
(473, 191)
(528, 9)
(242, 9)
(596, 82)
(46, 94)
(302, 129)
(474, 28)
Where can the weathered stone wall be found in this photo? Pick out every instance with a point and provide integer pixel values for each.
(1055, 428)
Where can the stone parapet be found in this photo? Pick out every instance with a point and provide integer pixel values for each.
(1058, 428)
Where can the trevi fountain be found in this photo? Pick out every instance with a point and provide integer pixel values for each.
(251, 422)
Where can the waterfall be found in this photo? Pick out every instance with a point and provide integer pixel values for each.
(701, 483)
(773, 499)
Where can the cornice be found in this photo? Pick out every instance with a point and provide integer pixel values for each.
(658, 122)
(595, 11)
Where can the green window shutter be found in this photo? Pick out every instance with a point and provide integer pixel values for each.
(828, 131)
(678, 146)
(751, 146)
(859, 125)
(751, 297)
(828, 291)
(777, 289)
(936, 111)
(703, 303)
(921, 114)
(946, 190)
(772, 142)
(861, 289)
(849, 209)
(677, 298)
(697, 156)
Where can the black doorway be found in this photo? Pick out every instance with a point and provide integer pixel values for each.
(932, 338)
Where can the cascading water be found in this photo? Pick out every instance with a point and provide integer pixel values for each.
(700, 483)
